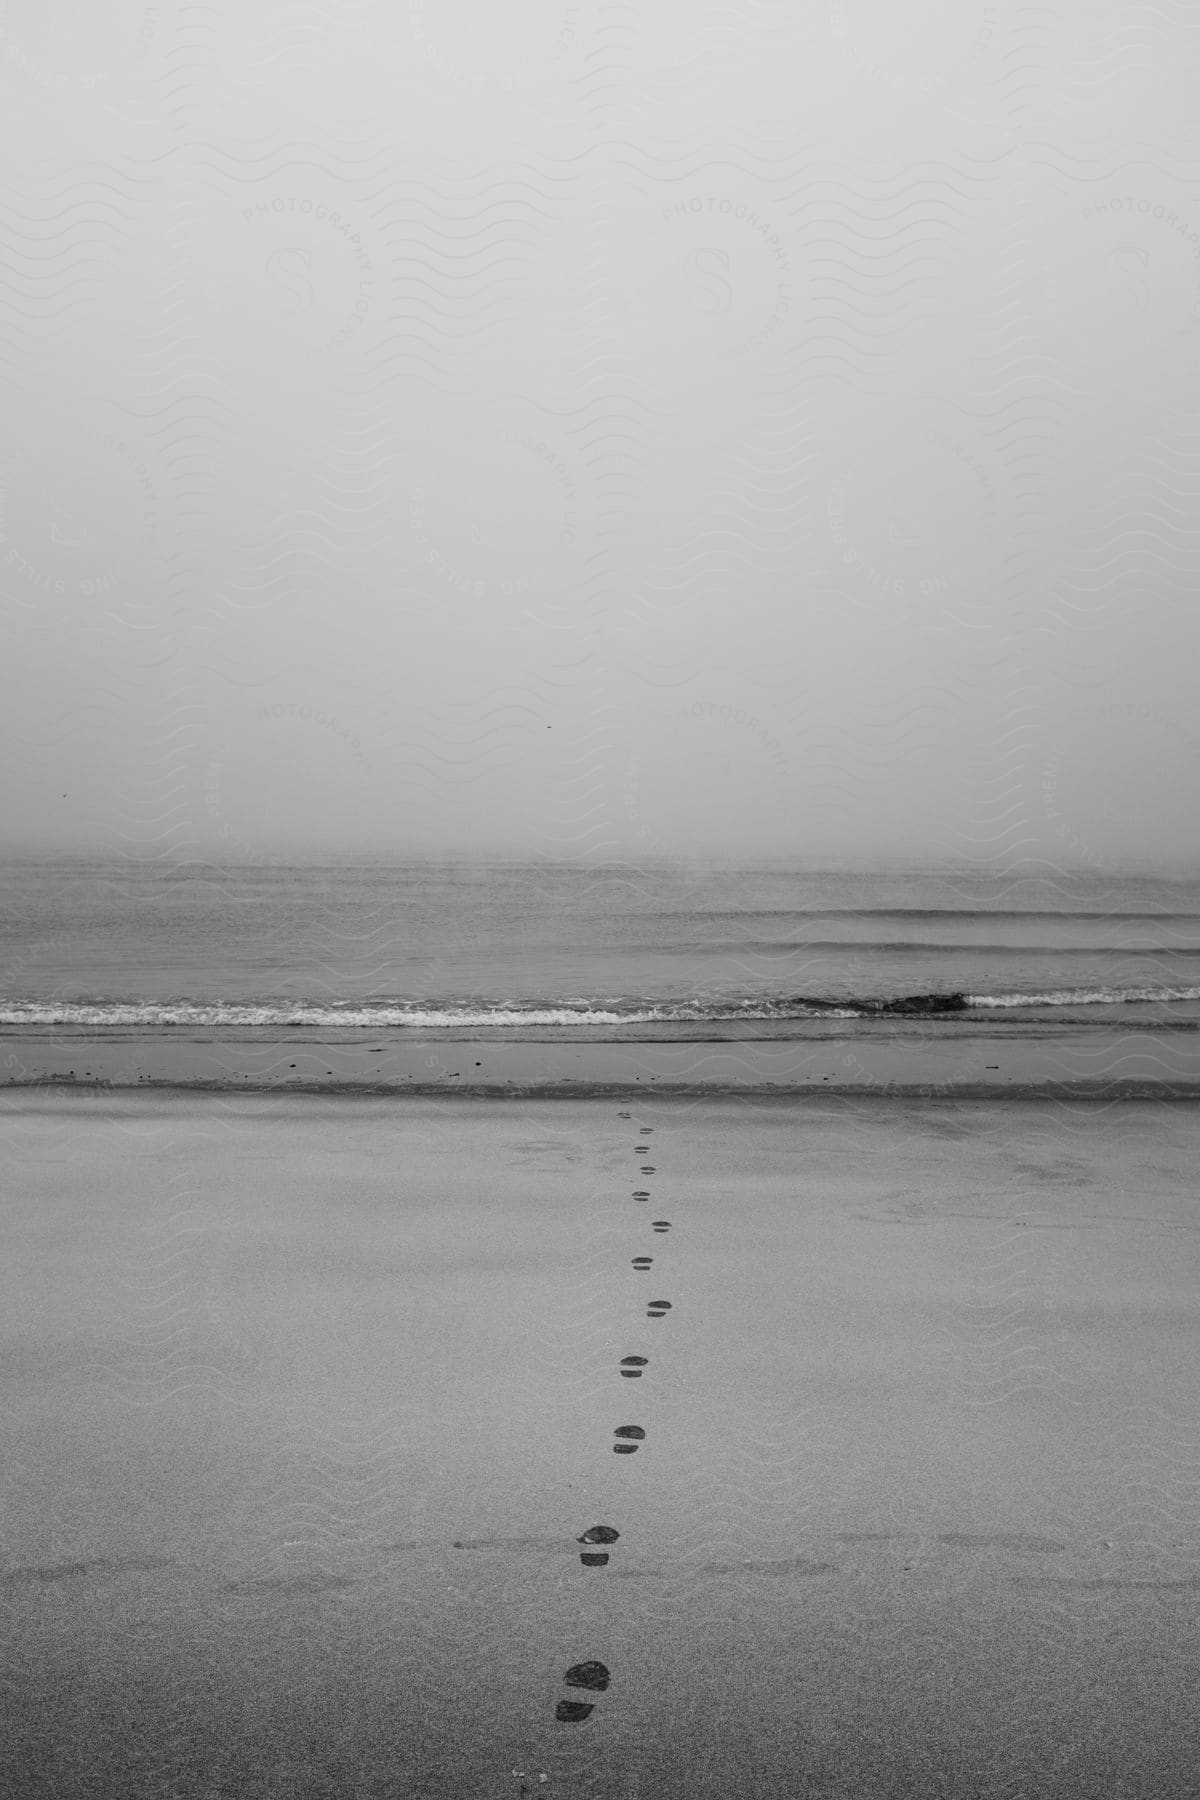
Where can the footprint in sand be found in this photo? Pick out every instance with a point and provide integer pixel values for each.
(624, 1115)
(591, 1675)
(505, 1546)
(657, 1308)
(641, 1149)
(596, 1534)
(641, 1194)
(662, 1225)
(632, 1366)
(642, 1262)
(647, 1168)
(631, 1436)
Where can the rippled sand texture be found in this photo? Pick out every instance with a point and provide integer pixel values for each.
(310, 1410)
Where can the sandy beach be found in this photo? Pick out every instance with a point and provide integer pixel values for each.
(308, 1401)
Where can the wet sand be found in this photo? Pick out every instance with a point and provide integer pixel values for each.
(307, 1401)
(964, 1058)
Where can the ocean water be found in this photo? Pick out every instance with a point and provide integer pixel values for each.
(604, 950)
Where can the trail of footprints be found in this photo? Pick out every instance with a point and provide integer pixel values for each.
(593, 1676)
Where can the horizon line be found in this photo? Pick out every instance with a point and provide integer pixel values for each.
(826, 862)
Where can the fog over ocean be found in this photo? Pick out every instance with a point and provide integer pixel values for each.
(525, 431)
(599, 899)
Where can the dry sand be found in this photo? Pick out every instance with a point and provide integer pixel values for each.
(305, 1402)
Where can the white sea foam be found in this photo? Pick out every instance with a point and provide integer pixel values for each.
(459, 1015)
(1086, 996)
(368, 1017)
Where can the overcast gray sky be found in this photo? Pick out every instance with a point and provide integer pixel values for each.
(588, 431)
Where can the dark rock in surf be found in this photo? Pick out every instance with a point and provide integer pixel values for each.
(907, 1006)
(925, 1003)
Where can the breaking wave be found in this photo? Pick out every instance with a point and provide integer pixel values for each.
(458, 1014)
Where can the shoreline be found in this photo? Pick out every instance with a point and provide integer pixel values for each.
(1067, 1063)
